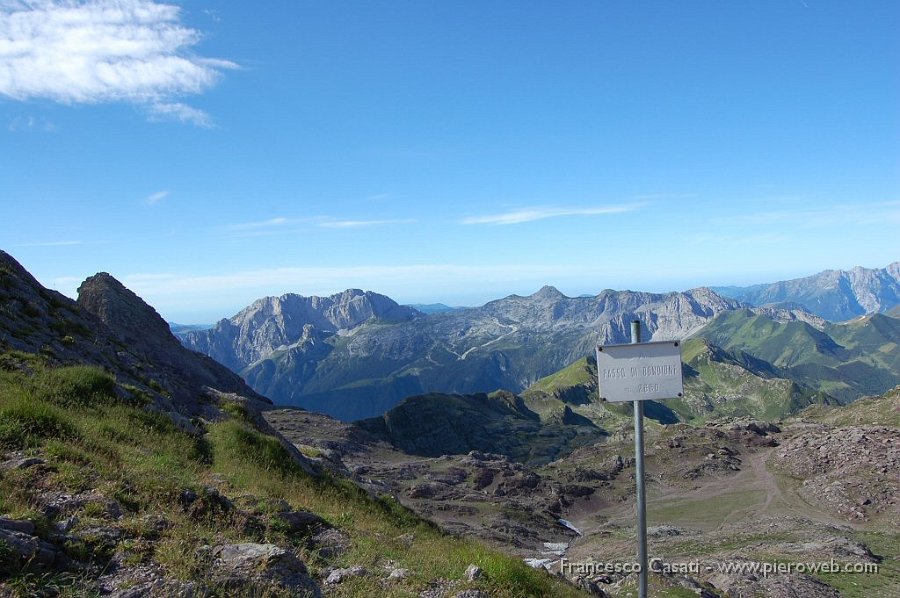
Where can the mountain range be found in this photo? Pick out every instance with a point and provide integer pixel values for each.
(835, 295)
(358, 354)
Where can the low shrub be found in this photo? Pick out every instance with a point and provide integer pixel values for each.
(72, 386)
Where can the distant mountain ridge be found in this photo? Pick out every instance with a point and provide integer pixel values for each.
(290, 350)
(272, 323)
(835, 295)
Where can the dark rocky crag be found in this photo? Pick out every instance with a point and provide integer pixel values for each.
(113, 328)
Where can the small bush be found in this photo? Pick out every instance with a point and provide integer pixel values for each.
(23, 423)
(73, 386)
(64, 451)
(236, 410)
(250, 446)
(152, 421)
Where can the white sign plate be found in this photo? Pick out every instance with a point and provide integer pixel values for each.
(640, 372)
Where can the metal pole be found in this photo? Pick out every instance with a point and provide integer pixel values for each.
(639, 478)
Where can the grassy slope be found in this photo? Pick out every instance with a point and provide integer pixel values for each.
(92, 438)
(883, 410)
(845, 360)
(716, 383)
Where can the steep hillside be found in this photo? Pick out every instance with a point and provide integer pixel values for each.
(846, 361)
(111, 327)
(365, 370)
(835, 295)
(880, 410)
(717, 383)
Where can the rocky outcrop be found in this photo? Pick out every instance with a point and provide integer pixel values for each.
(273, 323)
(111, 327)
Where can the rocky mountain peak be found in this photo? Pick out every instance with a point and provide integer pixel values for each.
(121, 309)
(548, 292)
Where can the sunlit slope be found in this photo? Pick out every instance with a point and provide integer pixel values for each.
(846, 360)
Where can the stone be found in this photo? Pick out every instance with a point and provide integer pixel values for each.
(474, 572)
(26, 548)
(24, 463)
(301, 522)
(341, 575)
(330, 543)
(399, 574)
(17, 525)
(240, 565)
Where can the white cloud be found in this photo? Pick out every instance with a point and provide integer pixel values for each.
(50, 244)
(282, 224)
(179, 112)
(361, 223)
(277, 222)
(30, 123)
(542, 213)
(78, 52)
(157, 197)
(857, 214)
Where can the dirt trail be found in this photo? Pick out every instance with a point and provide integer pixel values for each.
(753, 493)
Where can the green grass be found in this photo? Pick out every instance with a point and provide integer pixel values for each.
(93, 439)
(572, 375)
(883, 583)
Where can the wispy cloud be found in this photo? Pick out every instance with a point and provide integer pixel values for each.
(271, 223)
(857, 214)
(30, 123)
(362, 223)
(542, 213)
(157, 197)
(50, 244)
(177, 111)
(284, 224)
(76, 52)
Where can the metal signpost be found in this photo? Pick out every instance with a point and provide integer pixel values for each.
(639, 372)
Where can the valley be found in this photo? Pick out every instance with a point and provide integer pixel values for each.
(717, 493)
(134, 466)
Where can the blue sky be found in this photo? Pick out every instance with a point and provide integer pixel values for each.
(209, 153)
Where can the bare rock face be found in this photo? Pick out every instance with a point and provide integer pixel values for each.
(123, 311)
(271, 323)
(145, 333)
(833, 294)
